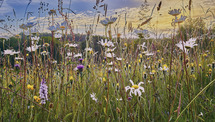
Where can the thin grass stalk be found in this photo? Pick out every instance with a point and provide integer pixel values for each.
(187, 76)
(194, 99)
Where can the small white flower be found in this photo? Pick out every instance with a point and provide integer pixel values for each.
(164, 68)
(201, 114)
(10, 52)
(110, 64)
(106, 43)
(142, 45)
(89, 49)
(110, 55)
(18, 58)
(148, 53)
(110, 50)
(118, 59)
(54, 62)
(44, 53)
(79, 55)
(35, 38)
(149, 81)
(57, 36)
(93, 96)
(32, 48)
(69, 54)
(120, 99)
(73, 45)
(135, 89)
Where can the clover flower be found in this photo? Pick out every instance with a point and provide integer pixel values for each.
(43, 92)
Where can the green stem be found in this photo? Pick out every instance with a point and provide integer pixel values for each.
(194, 99)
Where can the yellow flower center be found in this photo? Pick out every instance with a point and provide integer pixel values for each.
(125, 44)
(188, 47)
(141, 55)
(105, 44)
(62, 27)
(135, 86)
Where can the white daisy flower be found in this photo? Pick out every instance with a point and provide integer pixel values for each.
(32, 48)
(78, 55)
(72, 45)
(135, 89)
(106, 43)
(35, 38)
(164, 68)
(44, 53)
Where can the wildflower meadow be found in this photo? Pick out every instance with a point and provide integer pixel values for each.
(107, 65)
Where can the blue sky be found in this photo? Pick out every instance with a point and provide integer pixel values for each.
(84, 9)
(76, 5)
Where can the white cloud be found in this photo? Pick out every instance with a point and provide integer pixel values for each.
(5, 8)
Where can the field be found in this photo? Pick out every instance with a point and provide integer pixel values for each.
(132, 75)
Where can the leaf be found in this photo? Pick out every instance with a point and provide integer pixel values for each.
(14, 83)
(68, 115)
(105, 111)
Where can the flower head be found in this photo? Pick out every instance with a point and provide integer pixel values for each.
(106, 43)
(80, 68)
(135, 89)
(108, 21)
(30, 24)
(43, 92)
(180, 20)
(93, 96)
(175, 12)
(52, 11)
(31, 87)
(32, 48)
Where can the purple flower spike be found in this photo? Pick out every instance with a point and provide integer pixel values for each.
(80, 68)
(43, 92)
